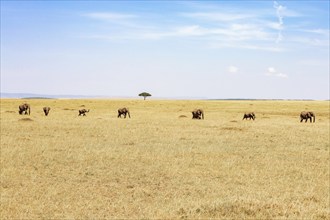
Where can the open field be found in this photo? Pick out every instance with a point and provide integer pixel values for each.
(161, 164)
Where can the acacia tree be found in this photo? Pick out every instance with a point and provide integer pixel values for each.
(145, 95)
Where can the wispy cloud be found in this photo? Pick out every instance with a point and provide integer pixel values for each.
(184, 31)
(231, 33)
(324, 32)
(232, 27)
(247, 46)
(279, 12)
(218, 16)
(272, 72)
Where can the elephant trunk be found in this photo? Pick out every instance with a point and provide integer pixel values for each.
(29, 108)
(128, 114)
(314, 118)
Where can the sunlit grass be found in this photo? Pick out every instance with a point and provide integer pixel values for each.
(159, 164)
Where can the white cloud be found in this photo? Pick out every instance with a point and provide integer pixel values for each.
(218, 16)
(193, 30)
(246, 46)
(279, 11)
(320, 31)
(232, 69)
(271, 71)
(231, 33)
(280, 14)
(233, 28)
(185, 31)
(310, 41)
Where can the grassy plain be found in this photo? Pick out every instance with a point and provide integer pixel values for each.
(160, 164)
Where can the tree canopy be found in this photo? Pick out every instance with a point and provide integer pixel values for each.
(145, 95)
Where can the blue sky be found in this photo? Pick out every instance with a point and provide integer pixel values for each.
(209, 49)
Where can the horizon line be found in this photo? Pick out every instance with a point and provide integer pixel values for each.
(8, 95)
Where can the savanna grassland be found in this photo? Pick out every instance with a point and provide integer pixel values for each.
(162, 164)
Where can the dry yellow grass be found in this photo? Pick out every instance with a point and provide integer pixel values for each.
(160, 164)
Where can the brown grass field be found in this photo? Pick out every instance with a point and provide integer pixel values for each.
(160, 164)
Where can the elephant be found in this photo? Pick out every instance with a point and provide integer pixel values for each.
(24, 108)
(307, 115)
(249, 116)
(83, 112)
(198, 114)
(123, 111)
(46, 110)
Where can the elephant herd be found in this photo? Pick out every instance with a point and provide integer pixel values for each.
(199, 114)
(196, 114)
